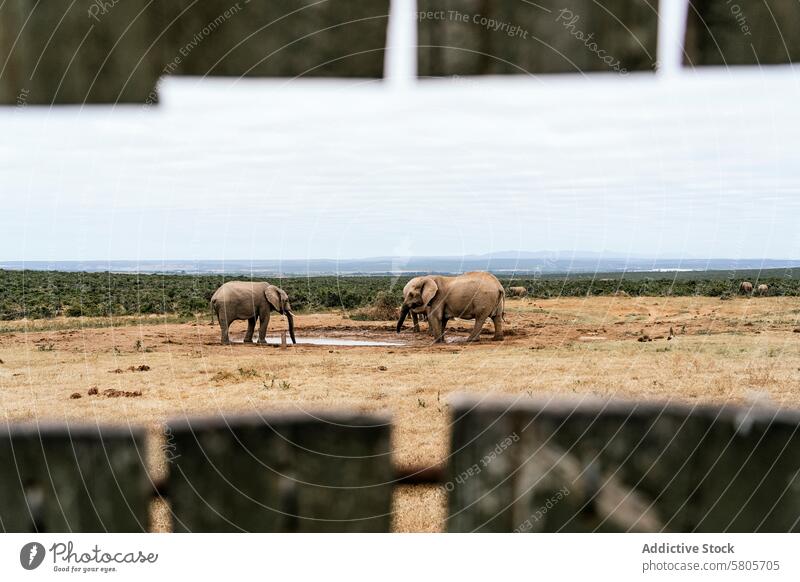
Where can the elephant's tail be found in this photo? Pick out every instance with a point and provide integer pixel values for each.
(501, 304)
(213, 310)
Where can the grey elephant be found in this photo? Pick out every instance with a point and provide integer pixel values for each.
(250, 300)
(517, 292)
(762, 289)
(476, 295)
(746, 287)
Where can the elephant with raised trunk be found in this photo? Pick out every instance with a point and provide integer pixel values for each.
(476, 295)
(250, 300)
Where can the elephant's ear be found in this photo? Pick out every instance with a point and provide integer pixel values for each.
(274, 297)
(429, 289)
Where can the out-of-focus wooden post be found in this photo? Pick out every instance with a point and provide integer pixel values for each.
(88, 51)
(73, 478)
(282, 473)
(559, 464)
(280, 38)
(505, 37)
(746, 32)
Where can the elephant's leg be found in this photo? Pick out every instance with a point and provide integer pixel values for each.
(475, 335)
(223, 327)
(262, 329)
(435, 322)
(251, 327)
(415, 320)
(498, 327)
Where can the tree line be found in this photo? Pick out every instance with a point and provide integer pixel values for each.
(47, 294)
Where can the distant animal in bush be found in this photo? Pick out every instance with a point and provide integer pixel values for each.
(517, 292)
(762, 289)
(746, 288)
(250, 301)
(476, 295)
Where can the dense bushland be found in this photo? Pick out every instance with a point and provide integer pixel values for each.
(44, 294)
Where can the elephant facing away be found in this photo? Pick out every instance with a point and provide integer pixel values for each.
(762, 289)
(250, 300)
(746, 287)
(476, 295)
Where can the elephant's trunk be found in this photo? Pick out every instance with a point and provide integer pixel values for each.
(403, 314)
(290, 319)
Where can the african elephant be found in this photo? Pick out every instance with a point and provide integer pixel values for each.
(476, 295)
(250, 300)
(746, 287)
(517, 292)
(762, 289)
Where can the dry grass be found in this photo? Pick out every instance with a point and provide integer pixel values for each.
(722, 351)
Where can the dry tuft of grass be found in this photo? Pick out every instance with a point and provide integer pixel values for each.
(223, 376)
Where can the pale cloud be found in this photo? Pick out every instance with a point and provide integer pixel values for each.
(701, 165)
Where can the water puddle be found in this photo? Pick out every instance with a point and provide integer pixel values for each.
(330, 341)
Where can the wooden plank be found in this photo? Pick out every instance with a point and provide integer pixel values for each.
(61, 478)
(747, 476)
(83, 52)
(95, 51)
(621, 467)
(744, 32)
(280, 38)
(484, 445)
(598, 465)
(281, 473)
(481, 37)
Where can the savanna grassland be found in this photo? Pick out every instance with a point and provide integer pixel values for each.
(693, 348)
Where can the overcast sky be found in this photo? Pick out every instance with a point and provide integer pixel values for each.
(697, 165)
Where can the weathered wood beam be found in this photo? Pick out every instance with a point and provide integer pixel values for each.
(499, 37)
(599, 465)
(279, 38)
(281, 473)
(67, 478)
(742, 32)
(89, 51)
(114, 51)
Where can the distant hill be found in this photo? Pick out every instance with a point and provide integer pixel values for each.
(504, 263)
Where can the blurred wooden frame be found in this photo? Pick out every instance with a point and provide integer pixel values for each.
(744, 32)
(109, 51)
(589, 464)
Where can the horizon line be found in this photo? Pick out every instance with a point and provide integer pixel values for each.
(597, 254)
